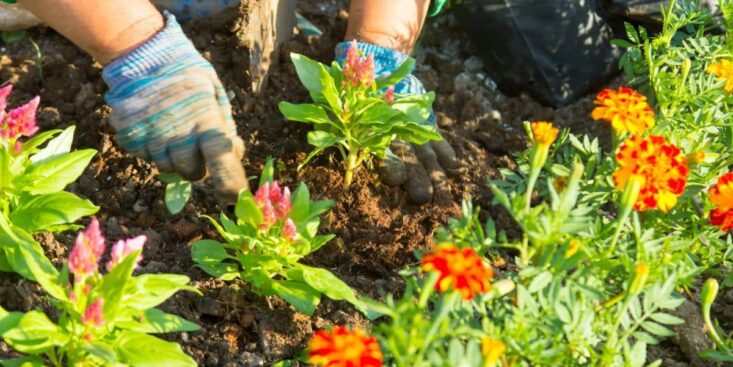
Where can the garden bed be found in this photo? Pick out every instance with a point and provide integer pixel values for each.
(376, 229)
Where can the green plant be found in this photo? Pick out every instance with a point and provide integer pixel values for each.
(272, 233)
(177, 191)
(104, 319)
(33, 173)
(352, 114)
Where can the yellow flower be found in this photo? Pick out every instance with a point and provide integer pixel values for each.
(573, 248)
(492, 349)
(544, 133)
(723, 71)
(625, 109)
(641, 273)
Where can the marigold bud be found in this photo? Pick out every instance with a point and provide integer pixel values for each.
(492, 350)
(641, 273)
(709, 291)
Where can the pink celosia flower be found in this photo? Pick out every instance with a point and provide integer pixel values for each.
(17, 147)
(289, 230)
(123, 248)
(93, 314)
(284, 206)
(263, 194)
(358, 72)
(275, 192)
(389, 95)
(87, 251)
(20, 121)
(269, 217)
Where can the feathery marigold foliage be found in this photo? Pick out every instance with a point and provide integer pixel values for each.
(721, 195)
(625, 109)
(344, 348)
(460, 269)
(660, 165)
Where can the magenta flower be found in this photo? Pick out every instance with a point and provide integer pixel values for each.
(263, 194)
(19, 121)
(123, 248)
(93, 314)
(290, 231)
(273, 202)
(358, 72)
(268, 216)
(88, 249)
(275, 192)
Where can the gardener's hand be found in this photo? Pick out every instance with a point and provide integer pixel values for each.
(168, 105)
(419, 168)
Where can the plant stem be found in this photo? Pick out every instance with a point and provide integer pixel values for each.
(631, 193)
(446, 306)
(351, 166)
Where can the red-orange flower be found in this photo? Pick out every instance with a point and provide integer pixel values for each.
(625, 109)
(723, 71)
(343, 348)
(660, 166)
(722, 196)
(460, 269)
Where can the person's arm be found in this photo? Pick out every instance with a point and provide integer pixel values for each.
(394, 24)
(106, 29)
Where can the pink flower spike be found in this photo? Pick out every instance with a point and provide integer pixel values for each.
(4, 93)
(94, 237)
(366, 71)
(275, 192)
(124, 248)
(263, 194)
(88, 249)
(284, 206)
(290, 231)
(389, 95)
(93, 314)
(23, 119)
(268, 216)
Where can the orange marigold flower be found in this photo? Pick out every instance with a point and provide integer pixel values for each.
(543, 133)
(722, 196)
(723, 71)
(492, 349)
(343, 348)
(460, 269)
(660, 165)
(625, 109)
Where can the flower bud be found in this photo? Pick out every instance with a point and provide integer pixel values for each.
(709, 291)
(641, 273)
(93, 314)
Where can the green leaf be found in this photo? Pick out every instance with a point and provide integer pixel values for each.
(30, 146)
(209, 255)
(53, 174)
(101, 350)
(656, 329)
(300, 295)
(268, 173)
(540, 282)
(29, 361)
(12, 36)
(8, 320)
(35, 334)
(177, 193)
(150, 290)
(305, 112)
(142, 350)
(322, 139)
(115, 283)
(56, 147)
(399, 74)
(301, 204)
(330, 92)
(42, 212)
(325, 282)
(155, 321)
(247, 211)
(309, 72)
(665, 318)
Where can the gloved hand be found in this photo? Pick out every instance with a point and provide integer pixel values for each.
(419, 168)
(168, 105)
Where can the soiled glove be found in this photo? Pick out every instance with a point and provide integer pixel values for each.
(419, 168)
(168, 105)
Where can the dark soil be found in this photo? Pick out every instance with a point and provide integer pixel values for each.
(377, 229)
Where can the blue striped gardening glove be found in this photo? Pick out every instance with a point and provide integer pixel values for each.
(419, 168)
(169, 106)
